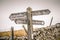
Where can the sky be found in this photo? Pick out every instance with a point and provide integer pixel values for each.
(7, 7)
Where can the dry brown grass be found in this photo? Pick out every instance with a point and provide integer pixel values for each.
(16, 33)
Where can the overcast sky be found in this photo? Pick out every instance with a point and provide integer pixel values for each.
(8, 7)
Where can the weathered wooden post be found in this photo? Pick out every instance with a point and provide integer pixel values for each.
(51, 21)
(12, 33)
(25, 29)
(29, 23)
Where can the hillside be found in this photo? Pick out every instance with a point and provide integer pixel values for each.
(16, 33)
(45, 33)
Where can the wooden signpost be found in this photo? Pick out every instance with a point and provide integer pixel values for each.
(26, 18)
